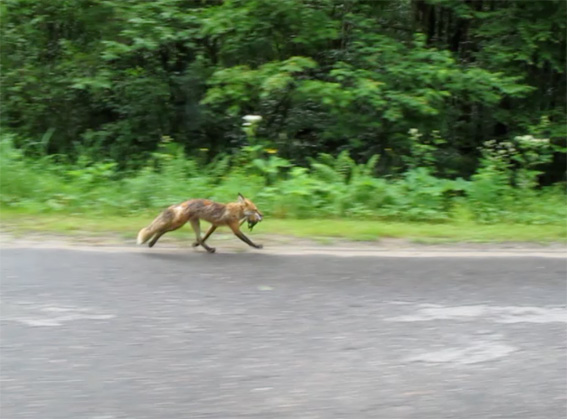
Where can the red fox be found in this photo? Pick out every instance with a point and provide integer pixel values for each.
(232, 215)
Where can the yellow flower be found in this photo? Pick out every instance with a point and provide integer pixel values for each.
(271, 150)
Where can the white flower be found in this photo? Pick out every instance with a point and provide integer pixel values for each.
(531, 139)
(414, 132)
(252, 118)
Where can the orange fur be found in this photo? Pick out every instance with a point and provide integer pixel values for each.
(194, 210)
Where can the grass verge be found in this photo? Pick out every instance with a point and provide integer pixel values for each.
(325, 231)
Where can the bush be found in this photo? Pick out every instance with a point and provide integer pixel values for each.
(503, 190)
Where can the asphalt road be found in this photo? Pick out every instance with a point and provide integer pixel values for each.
(184, 334)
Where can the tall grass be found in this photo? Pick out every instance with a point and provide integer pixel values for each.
(329, 187)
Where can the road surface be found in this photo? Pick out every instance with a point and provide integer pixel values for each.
(183, 334)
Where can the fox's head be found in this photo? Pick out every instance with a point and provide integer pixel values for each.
(252, 214)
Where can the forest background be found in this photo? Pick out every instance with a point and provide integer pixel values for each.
(444, 112)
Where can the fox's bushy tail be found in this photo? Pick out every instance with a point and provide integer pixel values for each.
(144, 235)
(158, 226)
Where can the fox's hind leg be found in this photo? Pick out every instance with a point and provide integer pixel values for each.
(161, 233)
(167, 223)
(156, 238)
(197, 228)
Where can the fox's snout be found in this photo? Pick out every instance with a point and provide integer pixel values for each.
(253, 215)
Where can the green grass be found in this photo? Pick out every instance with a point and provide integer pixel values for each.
(327, 196)
(323, 231)
(424, 232)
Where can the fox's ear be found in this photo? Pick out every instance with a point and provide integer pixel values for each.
(240, 197)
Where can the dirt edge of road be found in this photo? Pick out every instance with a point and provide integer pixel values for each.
(284, 245)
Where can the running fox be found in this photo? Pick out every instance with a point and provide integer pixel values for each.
(231, 215)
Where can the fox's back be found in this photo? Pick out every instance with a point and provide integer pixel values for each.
(207, 210)
(213, 212)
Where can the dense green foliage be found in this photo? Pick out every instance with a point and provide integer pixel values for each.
(501, 191)
(110, 78)
(429, 110)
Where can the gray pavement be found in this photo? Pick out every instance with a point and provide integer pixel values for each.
(184, 334)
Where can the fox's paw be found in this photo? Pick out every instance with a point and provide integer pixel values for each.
(211, 250)
(259, 246)
(195, 244)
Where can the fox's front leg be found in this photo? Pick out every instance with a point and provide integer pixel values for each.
(197, 228)
(236, 230)
(210, 231)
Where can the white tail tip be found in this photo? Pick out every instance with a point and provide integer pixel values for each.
(140, 239)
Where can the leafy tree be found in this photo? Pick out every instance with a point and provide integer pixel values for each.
(111, 78)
